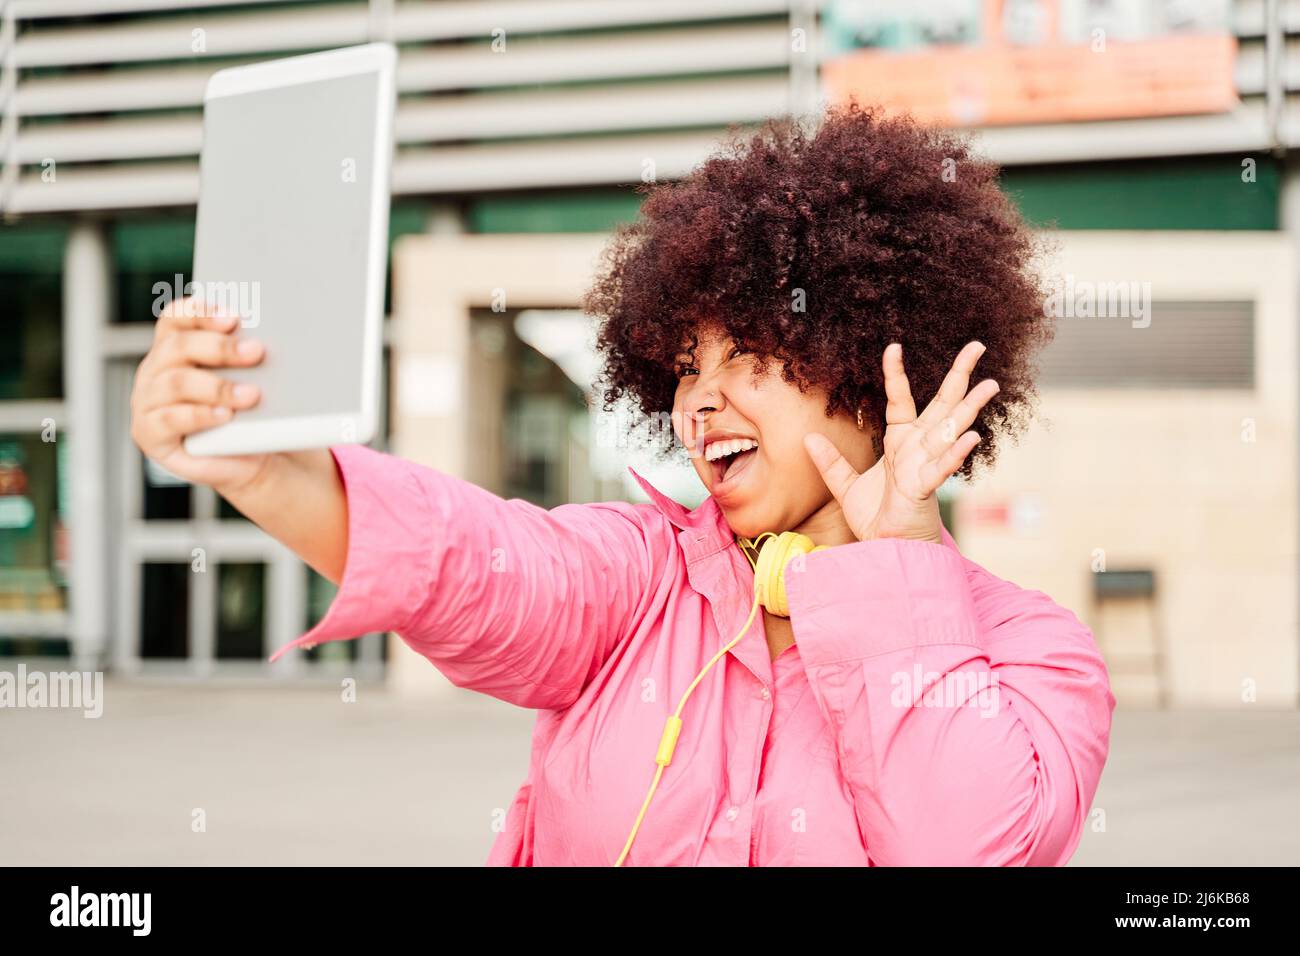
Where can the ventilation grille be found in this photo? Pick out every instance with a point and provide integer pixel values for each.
(1185, 345)
(101, 100)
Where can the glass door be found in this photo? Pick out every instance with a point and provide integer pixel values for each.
(200, 590)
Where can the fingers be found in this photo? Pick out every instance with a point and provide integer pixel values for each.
(161, 427)
(941, 442)
(174, 392)
(935, 473)
(186, 384)
(214, 349)
(939, 436)
(899, 406)
(954, 386)
(838, 474)
(186, 334)
(189, 313)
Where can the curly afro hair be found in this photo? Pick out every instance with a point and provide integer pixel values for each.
(819, 248)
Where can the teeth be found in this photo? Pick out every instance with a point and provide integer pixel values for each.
(730, 446)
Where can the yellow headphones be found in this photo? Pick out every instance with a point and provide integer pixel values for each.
(769, 591)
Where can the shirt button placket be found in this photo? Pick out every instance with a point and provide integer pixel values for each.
(734, 811)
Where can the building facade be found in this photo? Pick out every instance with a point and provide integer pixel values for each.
(1156, 494)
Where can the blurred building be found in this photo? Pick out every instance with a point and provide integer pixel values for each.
(1156, 496)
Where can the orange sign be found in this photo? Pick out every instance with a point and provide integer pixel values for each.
(992, 85)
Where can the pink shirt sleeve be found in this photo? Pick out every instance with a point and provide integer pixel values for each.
(972, 716)
(502, 596)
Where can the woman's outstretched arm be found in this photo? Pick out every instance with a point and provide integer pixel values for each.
(971, 716)
(298, 499)
(502, 596)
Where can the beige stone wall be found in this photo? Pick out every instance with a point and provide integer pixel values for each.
(443, 399)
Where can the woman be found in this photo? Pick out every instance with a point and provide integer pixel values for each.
(887, 701)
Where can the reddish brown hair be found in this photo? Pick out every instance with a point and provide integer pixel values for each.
(887, 231)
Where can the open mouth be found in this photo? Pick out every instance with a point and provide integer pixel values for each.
(730, 457)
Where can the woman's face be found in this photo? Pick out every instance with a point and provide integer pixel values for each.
(743, 426)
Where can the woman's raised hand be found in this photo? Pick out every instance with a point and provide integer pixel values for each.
(177, 392)
(895, 497)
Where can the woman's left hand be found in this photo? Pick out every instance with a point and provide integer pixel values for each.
(895, 497)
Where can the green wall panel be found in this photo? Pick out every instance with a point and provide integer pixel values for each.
(590, 211)
(33, 248)
(1200, 193)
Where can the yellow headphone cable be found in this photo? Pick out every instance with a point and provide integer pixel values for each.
(769, 592)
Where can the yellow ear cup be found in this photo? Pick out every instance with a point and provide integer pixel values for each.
(769, 572)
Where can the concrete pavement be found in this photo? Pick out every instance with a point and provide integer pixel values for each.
(293, 775)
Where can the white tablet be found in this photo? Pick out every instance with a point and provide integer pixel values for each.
(292, 235)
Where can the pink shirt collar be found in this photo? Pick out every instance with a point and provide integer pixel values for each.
(707, 522)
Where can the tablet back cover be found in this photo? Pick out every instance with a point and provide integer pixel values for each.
(283, 233)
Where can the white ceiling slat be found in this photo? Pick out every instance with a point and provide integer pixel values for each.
(603, 57)
(96, 140)
(574, 13)
(319, 27)
(425, 71)
(46, 9)
(107, 187)
(173, 38)
(591, 109)
(422, 20)
(602, 160)
(1243, 130)
(618, 160)
(1251, 67)
(163, 147)
(484, 116)
(1250, 16)
(472, 93)
(681, 104)
(114, 91)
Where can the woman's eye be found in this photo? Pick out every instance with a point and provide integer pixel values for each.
(684, 370)
(734, 353)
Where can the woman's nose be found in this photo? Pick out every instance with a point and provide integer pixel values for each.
(697, 405)
(705, 397)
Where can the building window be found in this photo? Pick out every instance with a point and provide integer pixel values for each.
(320, 593)
(32, 539)
(165, 611)
(241, 603)
(166, 497)
(31, 348)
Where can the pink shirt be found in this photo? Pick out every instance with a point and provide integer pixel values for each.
(929, 712)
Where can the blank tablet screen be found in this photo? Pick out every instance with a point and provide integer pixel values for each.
(284, 221)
